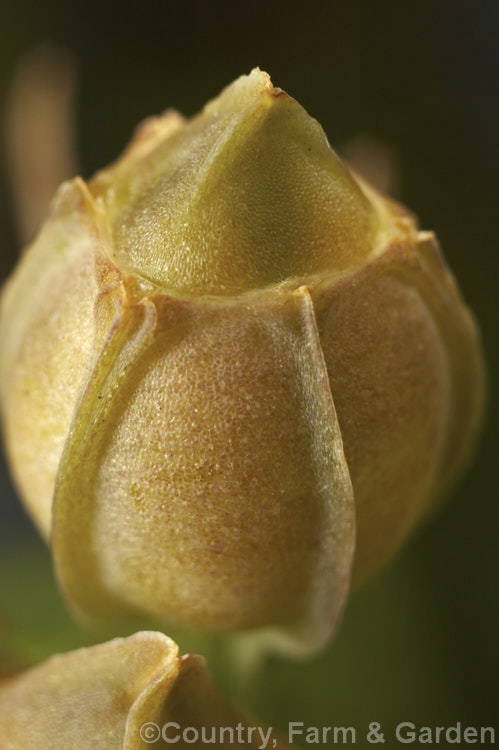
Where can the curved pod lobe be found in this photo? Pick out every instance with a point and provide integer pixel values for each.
(170, 424)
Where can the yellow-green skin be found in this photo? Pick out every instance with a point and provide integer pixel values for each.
(232, 374)
(109, 697)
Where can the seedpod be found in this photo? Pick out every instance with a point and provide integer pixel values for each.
(232, 374)
(126, 694)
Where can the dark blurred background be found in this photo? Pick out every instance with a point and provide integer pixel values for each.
(421, 79)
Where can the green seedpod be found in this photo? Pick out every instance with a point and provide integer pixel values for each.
(126, 694)
(233, 376)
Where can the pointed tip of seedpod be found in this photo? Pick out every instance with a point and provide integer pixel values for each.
(240, 93)
(246, 195)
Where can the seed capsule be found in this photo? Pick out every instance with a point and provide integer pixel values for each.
(123, 695)
(223, 355)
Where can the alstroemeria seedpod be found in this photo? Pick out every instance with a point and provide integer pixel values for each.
(225, 357)
(127, 694)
